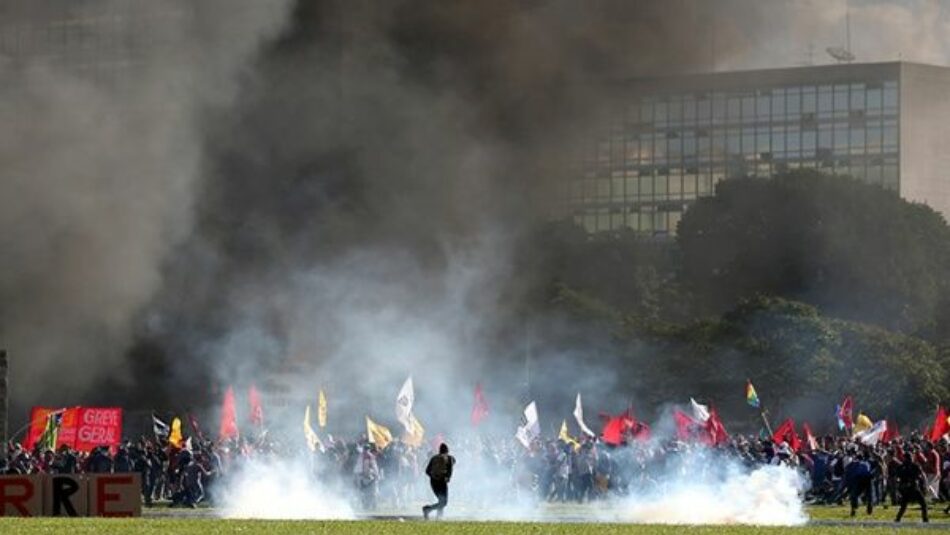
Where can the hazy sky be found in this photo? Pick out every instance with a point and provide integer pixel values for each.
(881, 30)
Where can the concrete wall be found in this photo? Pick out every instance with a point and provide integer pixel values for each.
(925, 135)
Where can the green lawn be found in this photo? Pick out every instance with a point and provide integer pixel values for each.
(164, 526)
(820, 512)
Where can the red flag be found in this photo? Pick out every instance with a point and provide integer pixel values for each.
(845, 412)
(786, 433)
(715, 429)
(684, 425)
(229, 427)
(480, 409)
(941, 427)
(810, 440)
(195, 427)
(257, 411)
(613, 431)
(892, 432)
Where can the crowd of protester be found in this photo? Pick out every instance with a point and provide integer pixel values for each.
(839, 470)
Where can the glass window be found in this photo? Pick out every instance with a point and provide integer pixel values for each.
(890, 137)
(890, 96)
(874, 98)
(748, 106)
(809, 138)
(603, 220)
(793, 101)
(660, 218)
(778, 140)
(809, 100)
(646, 186)
(762, 140)
(824, 101)
(778, 103)
(857, 97)
(857, 138)
(631, 185)
(841, 97)
(841, 137)
(762, 103)
(603, 189)
(676, 187)
(662, 185)
(794, 140)
(824, 136)
(704, 186)
(733, 108)
(874, 138)
(646, 222)
(689, 188)
(748, 141)
(616, 190)
(732, 142)
(689, 144)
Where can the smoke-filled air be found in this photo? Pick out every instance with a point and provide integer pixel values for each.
(572, 241)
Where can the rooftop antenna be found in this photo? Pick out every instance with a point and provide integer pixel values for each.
(843, 55)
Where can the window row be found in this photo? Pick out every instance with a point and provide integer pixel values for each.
(763, 104)
(840, 137)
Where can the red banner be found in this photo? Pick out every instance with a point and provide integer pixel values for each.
(83, 428)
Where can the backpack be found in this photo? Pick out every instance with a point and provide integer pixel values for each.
(439, 467)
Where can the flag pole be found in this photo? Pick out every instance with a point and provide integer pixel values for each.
(765, 420)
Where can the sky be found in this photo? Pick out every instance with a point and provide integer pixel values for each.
(881, 30)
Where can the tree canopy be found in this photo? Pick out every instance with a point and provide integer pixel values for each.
(854, 250)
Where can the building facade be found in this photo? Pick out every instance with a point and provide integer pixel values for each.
(669, 141)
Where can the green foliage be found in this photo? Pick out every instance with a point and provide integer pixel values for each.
(854, 250)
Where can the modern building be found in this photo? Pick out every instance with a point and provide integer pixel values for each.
(670, 140)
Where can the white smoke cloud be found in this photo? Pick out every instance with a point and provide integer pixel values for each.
(706, 490)
(280, 489)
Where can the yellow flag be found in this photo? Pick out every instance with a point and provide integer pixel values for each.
(415, 437)
(322, 409)
(313, 441)
(378, 434)
(174, 437)
(862, 423)
(567, 438)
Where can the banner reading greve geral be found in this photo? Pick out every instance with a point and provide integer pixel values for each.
(82, 428)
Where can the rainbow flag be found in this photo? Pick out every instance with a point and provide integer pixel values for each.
(750, 396)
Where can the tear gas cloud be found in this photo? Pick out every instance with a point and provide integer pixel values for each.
(280, 489)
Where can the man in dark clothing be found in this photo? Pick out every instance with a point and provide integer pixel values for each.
(439, 471)
(910, 484)
(857, 477)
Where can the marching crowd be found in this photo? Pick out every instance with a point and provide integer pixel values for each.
(839, 470)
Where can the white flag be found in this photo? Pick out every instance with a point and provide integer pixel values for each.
(530, 429)
(700, 412)
(404, 405)
(873, 435)
(579, 416)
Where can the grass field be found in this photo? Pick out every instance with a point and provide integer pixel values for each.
(830, 521)
(82, 526)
